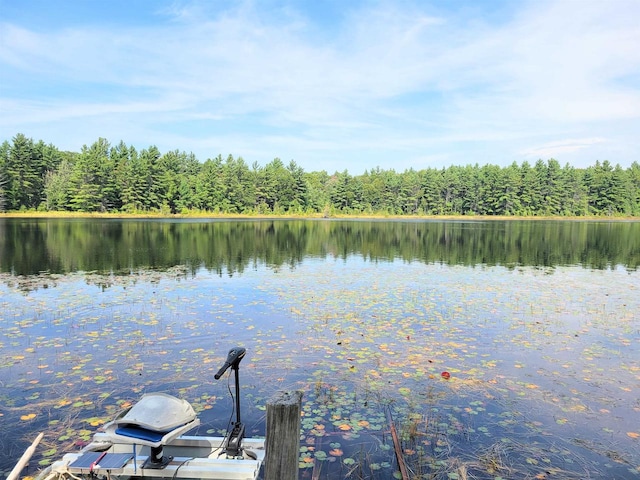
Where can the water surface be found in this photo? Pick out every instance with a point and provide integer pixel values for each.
(536, 322)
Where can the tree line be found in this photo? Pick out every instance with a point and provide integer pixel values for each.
(118, 178)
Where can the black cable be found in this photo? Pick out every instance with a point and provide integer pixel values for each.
(233, 411)
(178, 468)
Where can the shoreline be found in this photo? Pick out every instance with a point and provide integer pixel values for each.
(318, 216)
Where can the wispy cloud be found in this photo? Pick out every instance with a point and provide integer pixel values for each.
(559, 148)
(388, 84)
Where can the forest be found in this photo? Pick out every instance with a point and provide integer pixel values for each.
(35, 176)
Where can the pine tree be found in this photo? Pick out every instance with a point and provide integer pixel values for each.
(4, 178)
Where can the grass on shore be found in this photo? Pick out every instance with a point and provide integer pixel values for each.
(300, 216)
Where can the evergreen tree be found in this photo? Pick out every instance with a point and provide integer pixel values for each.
(372, 183)
(171, 185)
(390, 195)
(539, 188)
(21, 174)
(529, 194)
(509, 185)
(120, 155)
(25, 166)
(574, 201)
(58, 186)
(299, 202)
(210, 188)
(135, 181)
(621, 191)
(152, 180)
(469, 190)
(105, 178)
(633, 174)
(552, 188)
(318, 191)
(606, 189)
(240, 184)
(93, 182)
(432, 187)
(275, 187)
(410, 192)
(452, 191)
(5, 148)
(490, 202)
(341, 193)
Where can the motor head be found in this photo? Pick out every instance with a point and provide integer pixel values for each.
(234, 357)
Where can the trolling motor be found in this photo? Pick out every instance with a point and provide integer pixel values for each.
(233, 443)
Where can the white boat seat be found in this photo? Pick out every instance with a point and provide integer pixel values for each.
(155, 420)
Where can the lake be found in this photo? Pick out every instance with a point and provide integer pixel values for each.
(535, 324)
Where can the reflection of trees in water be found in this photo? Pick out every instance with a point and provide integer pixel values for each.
(125, 247)
(102, 280)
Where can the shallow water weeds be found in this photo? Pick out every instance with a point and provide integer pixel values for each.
(544, 369)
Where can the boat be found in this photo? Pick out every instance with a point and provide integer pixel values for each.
(150, 439)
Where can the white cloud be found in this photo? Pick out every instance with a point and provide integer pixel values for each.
(389, 81)
(558, 148)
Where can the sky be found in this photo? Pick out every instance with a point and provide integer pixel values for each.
(330, 84)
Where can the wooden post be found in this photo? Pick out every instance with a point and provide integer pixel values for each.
(283, 436)
(15, 473)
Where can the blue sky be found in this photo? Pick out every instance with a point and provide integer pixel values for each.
(332, 84)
